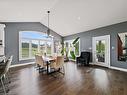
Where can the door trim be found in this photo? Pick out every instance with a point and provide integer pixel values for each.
(108, 51)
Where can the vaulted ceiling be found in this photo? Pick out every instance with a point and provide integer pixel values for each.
(67, 16)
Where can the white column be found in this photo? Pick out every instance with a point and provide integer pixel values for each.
(2, 43)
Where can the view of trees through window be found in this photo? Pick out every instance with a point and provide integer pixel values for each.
(100, 51)
(29, 45)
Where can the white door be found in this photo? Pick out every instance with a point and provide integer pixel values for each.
(101, 50)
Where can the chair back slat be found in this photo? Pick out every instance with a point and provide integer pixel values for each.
(8, 64)
(39, 60)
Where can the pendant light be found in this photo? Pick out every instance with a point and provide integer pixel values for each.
(48, 31)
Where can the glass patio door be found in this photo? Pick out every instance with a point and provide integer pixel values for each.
(101, 50)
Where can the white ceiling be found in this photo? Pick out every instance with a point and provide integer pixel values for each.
(67, 16)
(24, 10)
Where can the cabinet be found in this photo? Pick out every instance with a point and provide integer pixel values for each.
(2, 43)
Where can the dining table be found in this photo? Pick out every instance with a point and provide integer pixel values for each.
(48, 61)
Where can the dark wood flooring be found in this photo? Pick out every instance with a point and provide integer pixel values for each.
(79, 80)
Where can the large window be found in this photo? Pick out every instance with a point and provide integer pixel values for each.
(69, 47)
(31, 43)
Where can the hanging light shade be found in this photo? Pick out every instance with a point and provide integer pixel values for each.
(48, 31)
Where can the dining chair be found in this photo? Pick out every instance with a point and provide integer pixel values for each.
(9, 70)
(58, 65)
(36, 62)
(2, 59)
(40, 63)
(2, 65)
(3, 75)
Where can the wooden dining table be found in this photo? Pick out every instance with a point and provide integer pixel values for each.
(48, 61)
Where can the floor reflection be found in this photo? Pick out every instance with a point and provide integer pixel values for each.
(101, 79)
(78, 80)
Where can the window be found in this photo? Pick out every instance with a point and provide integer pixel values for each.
(31, 42)
(69, 47)
(35, 44)
(77, 48)
(48, 46)
(42, 47)
(25, 48)
(57, 47)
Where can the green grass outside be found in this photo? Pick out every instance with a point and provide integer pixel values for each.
(25, 52)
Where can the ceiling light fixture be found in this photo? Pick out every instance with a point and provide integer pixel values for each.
(48, 31)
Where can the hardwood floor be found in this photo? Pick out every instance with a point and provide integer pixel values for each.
(79, 80)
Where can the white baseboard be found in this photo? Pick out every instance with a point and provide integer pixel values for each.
(112, 67)
(91, 63)
(101, 65)
(120, 69)
(17, 65)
